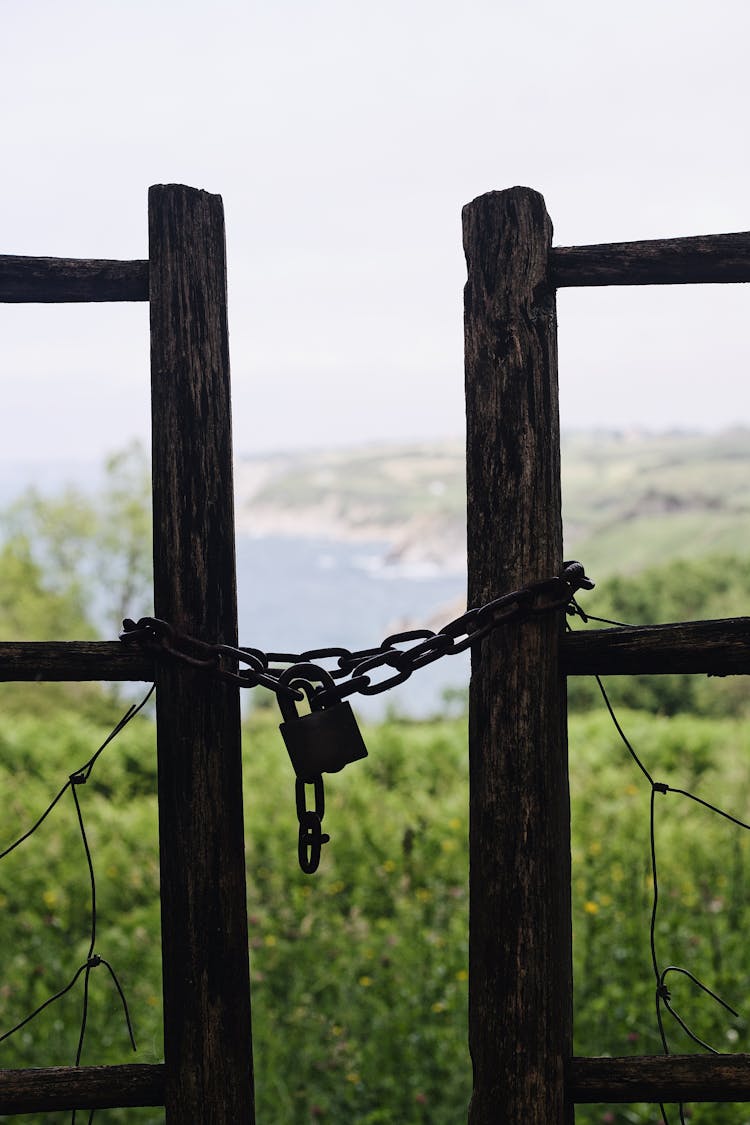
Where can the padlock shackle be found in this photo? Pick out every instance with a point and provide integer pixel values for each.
(303, 676)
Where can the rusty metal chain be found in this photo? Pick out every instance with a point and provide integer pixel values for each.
(328, 738)
(311, 835)
(353, 670)
(161, 638)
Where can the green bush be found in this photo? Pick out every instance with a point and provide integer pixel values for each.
(359, 972)
(680, 590)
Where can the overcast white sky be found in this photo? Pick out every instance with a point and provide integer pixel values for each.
(344, 138)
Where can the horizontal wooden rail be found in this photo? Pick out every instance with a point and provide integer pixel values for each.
(73, 661)
(660, 1078)
(38, 1090)
(58, 280)
(719, 648)
(669, 261)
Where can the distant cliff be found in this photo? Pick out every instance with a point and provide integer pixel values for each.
(629, 499)
(411, 499)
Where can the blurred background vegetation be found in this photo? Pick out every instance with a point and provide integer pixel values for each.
(360, 973)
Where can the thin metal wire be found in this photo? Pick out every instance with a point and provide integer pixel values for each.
(92, 877)
(606, 620)
(622, 734)
(84, 772)
(93, 960)
(662, 994)
(46, 1004)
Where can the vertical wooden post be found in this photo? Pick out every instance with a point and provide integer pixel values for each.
(520, 992)
(207, 1037)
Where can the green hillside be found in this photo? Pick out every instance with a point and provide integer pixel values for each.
(630, 500)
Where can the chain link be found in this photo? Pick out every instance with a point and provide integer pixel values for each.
(352, 670)
(311, 835)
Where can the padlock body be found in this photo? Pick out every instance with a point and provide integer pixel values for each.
(323, 741)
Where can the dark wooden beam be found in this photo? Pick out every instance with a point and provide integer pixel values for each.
(207, 1039)
(664, 261)
(719, 648)
(58, 280)
(660, 1078)
(45, 1089)
(520, 986)
(46, 661)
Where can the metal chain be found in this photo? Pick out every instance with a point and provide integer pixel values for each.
(328, 738)
(311, 836)
(353, 669)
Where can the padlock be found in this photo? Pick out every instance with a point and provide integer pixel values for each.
(326, 739)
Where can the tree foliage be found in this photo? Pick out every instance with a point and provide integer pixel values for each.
(680, 590)
(74, 564)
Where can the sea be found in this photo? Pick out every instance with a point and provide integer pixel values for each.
(297, 594)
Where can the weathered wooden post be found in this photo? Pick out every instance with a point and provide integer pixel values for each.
(207, 1036)
(520, 990)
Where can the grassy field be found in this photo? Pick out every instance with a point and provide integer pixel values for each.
(360, 971)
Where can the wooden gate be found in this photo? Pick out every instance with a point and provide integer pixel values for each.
(520, 929)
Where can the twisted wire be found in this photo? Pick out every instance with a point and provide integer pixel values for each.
(93, 960)
(662, 994)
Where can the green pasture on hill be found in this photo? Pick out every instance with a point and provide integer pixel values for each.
(360, 972)
(631, 500)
